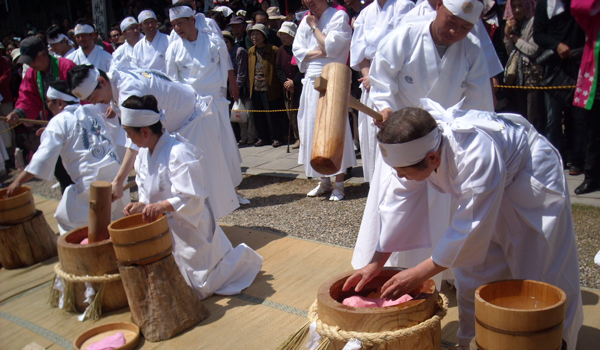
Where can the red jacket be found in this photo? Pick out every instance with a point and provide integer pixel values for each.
(5, 75)
(30, 100)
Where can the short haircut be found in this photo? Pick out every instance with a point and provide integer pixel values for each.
(86, 21)
(181, 3)
(54, 31)
(406, 125)
(145, 102)
(78, 74)
(259, 12)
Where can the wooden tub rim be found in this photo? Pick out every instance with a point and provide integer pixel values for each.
(122, 220)
(330, 302)
(561, 301)
(63, 238)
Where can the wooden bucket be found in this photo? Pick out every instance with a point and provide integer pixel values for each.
(519, 314)
(18, 208)
(93, 259)
(140, 243)
(27, 243)
(424, 305)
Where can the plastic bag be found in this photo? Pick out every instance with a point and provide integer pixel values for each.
(238, 112)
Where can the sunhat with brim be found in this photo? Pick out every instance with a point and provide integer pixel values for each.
(288, 28)
(259, 27)
(15, 54)
(226, 11)
(227, 34)
(273, 13)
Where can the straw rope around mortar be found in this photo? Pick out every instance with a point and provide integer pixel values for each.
(374, 339)
(94, 310)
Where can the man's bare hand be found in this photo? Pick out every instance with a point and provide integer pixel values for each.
(564, 51)
(12, 117)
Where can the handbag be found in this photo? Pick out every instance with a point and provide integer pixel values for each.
(511, 73)
(238, 112)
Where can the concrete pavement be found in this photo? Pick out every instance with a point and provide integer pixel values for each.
(266, 160)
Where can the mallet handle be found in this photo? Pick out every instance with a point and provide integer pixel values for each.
(354, 103)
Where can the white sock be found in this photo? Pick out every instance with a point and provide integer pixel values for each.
(339, 184)
(326, 181)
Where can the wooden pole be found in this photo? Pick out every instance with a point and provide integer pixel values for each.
(100, 208)
(30, 121)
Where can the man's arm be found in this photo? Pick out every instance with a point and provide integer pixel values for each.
(124, 170)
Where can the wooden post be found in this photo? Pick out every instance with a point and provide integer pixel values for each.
(161, 302)
(100, 209)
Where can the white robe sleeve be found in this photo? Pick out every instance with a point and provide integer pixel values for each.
(387, 63)
(172, 70)
(358, 46)
(481, 178)
(338, 36)
(140, 176)
(44, 159)
(186, 185)
(493, 62)
(300, 47)
(478, 94)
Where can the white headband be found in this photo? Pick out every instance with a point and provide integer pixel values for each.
(399, 155)
(146, 14)
(127, 22)
(180, 12)
(88, 85)
(469, 10)
(84, 28)
(58, 39)
(54, 94)
(138, 118)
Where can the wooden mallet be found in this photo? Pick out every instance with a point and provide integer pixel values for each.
(332, 115)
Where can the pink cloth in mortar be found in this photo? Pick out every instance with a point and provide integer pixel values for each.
(360, 301)
(85, 241)
(114, 341)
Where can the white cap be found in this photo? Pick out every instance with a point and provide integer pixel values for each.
(469, 10)
(180, 12)
(127, 22)
(84, 28)
(146, 14)
(226, 11)
(288, 28)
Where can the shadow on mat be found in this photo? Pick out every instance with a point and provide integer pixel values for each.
(589, 298)
(255, 237)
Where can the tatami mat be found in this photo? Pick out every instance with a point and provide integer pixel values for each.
(259, 318)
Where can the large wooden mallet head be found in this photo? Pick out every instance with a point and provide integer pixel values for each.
(332, 116)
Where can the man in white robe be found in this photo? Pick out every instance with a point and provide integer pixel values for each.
(80, 137)
(164, 166)
(60, 44)
(88, 52)
(185, 113)
(201, 60)
(373, 23)
(122, 58)
(425, 10)
(203, 23)
(149, 52)
(407, 67)
(514, 215)
(323, 37)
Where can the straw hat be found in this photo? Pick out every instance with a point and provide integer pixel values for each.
(288, 28)
(227, 34)
(260, 27)
(274, 13)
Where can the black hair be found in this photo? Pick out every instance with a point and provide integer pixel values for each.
(259, 12)
(85, 21)
(54, 31)
(145, 102)
(63, 87)
(78, 74)
(406, 125)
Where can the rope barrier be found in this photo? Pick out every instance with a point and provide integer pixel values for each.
(377, 338)
(9, 129)
(536, 87)
(265, 110)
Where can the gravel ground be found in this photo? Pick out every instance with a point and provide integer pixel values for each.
(279, 205)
